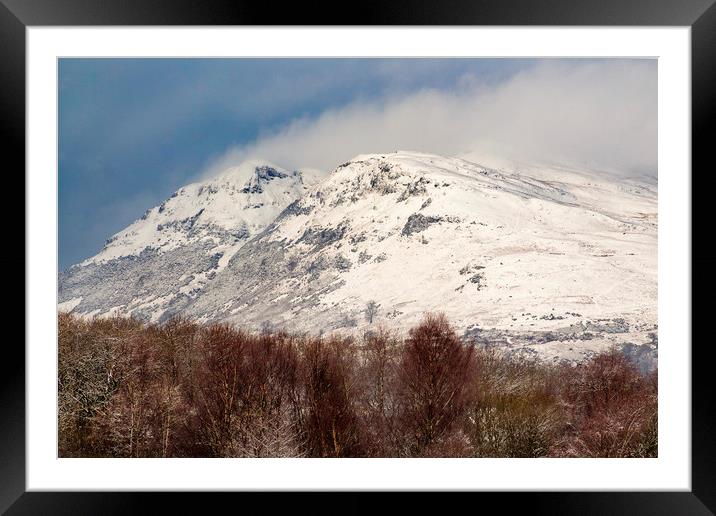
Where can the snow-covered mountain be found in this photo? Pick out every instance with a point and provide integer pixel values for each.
(157, 265)
(555, 261)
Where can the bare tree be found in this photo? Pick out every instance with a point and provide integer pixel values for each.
(433, 380)
(267, 328)
(177, 389)
(377, 402)
(371, 310)
(330, 423)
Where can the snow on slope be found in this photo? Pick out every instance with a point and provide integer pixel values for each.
(241, 201)
(159, 263)
(559, 262)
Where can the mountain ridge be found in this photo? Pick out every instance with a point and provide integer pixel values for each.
(512, 254)
(154, 267)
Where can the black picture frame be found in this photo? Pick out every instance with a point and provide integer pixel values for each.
(700, 15)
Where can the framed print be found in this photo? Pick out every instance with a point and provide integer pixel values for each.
(440, 249)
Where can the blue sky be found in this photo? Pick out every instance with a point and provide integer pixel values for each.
(131, 131)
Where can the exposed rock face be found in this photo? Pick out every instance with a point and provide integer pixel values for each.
(418, 222)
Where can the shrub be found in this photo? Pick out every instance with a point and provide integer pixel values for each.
(612, 410)
(514, 410)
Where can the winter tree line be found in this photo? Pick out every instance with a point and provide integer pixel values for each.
(179, 389)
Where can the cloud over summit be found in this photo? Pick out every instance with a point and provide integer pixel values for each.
(601, 114)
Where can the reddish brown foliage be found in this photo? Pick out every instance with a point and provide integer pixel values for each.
(612, 410)
(329, 422)
(433, 380)
(183, 390)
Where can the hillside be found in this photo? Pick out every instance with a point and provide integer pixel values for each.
(556, 262)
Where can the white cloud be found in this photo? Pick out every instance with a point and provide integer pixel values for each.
(602, 114)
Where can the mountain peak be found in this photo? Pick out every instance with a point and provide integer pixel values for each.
(248, 170)
(413, 232)
(416, 232)
(249, 195)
